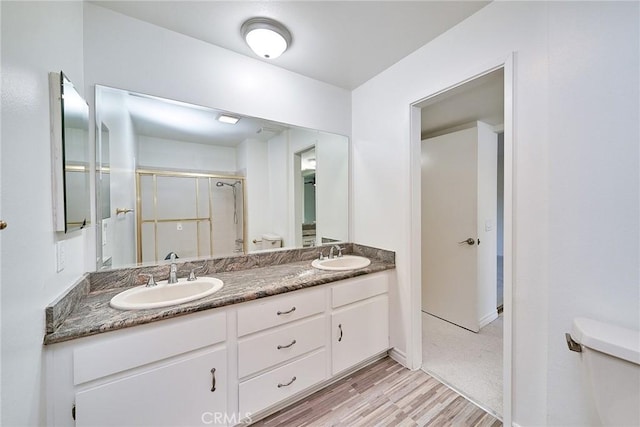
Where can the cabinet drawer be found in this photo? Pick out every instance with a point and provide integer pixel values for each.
(358, 289)
(271, 348)
(279, 310)
(130, 348)
(274, 386)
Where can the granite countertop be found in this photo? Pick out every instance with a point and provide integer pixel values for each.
(91, 314)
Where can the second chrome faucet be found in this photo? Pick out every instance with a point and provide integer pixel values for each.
(338, 248)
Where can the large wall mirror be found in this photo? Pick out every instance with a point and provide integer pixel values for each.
(200, 182)
(70, 147)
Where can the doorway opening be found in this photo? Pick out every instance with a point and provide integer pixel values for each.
(461, 171)
(305, 196)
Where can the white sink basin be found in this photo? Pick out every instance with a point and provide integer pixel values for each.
(345, 262)
(164, 295)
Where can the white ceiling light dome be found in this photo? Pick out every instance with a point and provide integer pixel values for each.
(266, 37)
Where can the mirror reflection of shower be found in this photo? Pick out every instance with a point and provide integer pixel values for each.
(229, 210)
(235, 198)
(192, 214)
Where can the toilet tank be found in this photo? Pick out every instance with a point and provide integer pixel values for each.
(271, 241)
(611, 367)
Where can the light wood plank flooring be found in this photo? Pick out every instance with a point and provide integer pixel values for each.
(383, 394)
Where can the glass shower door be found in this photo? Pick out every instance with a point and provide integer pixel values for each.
(193, 215)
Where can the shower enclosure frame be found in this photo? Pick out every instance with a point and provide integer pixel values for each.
(154, 173)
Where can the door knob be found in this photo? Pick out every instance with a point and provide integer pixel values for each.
(469, 242)
(3, 225)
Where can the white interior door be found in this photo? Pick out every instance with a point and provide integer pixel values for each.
(459, 206)
(449, 216)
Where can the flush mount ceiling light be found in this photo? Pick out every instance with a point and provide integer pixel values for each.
(266, 37)
(224, 118)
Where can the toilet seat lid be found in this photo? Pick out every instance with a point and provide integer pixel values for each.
(611, 339)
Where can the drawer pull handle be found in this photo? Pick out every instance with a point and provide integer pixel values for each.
(213, 379)
(280, 313)
(287, 384)
(280, 347)
(340, 327)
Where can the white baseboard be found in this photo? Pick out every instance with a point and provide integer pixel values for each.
(488, 318)
(399, 356)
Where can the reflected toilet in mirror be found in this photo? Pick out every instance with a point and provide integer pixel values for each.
(200, 182)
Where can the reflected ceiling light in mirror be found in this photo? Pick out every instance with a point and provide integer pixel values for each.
(171, 114)
(266, 37)
(225, 118)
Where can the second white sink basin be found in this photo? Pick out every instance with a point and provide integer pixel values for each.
(164, 295)
(345, 262)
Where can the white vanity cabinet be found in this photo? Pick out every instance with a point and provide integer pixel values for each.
(359, 321)
(183, 392)
(222, 366)
(173, 372)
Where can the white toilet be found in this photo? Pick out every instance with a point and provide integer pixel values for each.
(610, 358)
(271, 241)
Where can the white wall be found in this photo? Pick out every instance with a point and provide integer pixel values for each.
(253, 161)
(37, 38)
(280, 215)
(169, 154)
(576, 177)
(332, 192)
(126, 53)
(121, 229)
(594, 150)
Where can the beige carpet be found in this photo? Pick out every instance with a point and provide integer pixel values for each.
(471, 363)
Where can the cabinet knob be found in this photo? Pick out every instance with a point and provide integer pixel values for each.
(3, 225)
(213, 379)
(340, 327)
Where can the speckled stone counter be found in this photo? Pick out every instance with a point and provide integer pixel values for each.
(84, 309)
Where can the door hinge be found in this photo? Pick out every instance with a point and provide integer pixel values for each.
(73, 412)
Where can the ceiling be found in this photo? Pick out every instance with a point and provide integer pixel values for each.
(481, 99)
(343, 43)
(168, 119)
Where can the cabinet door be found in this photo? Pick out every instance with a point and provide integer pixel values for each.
(178, 393)
(359, 331)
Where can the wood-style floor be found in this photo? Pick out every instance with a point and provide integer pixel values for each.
(383, 394)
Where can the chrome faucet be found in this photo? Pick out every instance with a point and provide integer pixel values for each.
(339, 251)
(151, 281)
(192, 273)
(173, 270)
